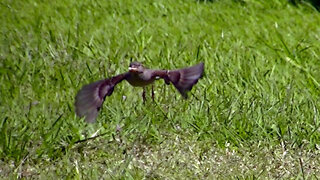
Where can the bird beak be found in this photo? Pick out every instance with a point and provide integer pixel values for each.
(131, 69)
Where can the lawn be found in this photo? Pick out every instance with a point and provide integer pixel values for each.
(254, 114)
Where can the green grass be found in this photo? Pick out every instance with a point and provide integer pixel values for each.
(255, 113)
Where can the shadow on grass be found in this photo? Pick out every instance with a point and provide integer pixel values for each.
(314, 3)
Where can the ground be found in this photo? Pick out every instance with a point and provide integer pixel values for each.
(254, 114)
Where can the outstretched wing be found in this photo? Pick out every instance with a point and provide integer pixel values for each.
(91, 97)
(184, 79)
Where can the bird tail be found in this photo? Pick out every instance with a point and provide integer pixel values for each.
(184, 79)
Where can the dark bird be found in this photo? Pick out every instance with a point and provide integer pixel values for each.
(90, 98)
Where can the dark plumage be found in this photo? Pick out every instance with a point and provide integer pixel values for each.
(90, 98)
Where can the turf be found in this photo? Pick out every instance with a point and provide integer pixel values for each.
(254, 114)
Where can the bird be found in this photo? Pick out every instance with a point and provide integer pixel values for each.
(90, 97)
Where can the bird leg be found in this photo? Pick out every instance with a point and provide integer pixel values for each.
(144, 95)
(152, 93)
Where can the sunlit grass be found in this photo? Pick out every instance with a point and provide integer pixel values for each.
(254, 114)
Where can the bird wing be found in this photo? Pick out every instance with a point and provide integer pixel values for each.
(161, 74)
(91, 97)
(184, 79)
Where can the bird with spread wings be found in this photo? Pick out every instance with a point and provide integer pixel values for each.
(91, 97)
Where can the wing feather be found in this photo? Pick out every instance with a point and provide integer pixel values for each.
(91, 97)
(184, 79)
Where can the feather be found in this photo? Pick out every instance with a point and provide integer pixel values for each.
(91, 97)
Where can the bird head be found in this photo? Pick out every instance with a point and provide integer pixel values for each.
(136, 67)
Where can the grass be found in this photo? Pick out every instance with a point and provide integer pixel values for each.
(255, 114)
